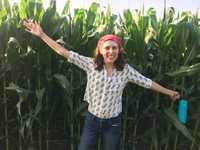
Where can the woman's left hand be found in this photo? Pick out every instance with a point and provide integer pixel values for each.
(174, 95)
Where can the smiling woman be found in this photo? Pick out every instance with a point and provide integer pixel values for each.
(104, 86)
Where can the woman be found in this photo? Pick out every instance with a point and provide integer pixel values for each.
(107, 75)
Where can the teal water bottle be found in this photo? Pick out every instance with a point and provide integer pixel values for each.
(182, 111)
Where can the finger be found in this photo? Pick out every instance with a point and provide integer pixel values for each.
(26, 23)
(36, 23)
(174, 97)
(28, 26)
(28, 30)
(177, 96)
(30, 20)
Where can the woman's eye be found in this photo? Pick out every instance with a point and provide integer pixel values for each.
(107, 48)
(114, 47)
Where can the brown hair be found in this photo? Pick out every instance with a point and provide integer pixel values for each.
(98, 58)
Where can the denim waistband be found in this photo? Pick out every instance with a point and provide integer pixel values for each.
(93, 117)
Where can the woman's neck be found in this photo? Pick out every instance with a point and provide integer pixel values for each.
(109, 69)
(109, 66)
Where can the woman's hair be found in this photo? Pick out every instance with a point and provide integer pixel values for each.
(99, 61)
(98, 58)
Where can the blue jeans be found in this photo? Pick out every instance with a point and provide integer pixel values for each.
(108, 129)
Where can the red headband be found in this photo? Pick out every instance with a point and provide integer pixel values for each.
(111, 37)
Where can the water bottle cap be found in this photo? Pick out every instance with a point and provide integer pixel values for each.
(183, 101)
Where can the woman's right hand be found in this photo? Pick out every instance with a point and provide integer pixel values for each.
(33, 28)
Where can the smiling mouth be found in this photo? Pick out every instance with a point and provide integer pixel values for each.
(111, 56)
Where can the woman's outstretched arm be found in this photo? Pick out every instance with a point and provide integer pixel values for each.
(174, 95)
(35, 29)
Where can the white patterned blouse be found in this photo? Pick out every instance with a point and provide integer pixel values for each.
(104, 93)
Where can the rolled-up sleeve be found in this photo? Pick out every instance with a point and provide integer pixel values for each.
(137, 78)
(85, 63)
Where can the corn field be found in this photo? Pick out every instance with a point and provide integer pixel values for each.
(41, 94)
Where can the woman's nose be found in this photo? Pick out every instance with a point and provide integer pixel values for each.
(111, 50)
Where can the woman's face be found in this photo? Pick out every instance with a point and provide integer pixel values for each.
(109, 51)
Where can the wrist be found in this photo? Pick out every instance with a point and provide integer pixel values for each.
(169, 92)
(42, 35)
